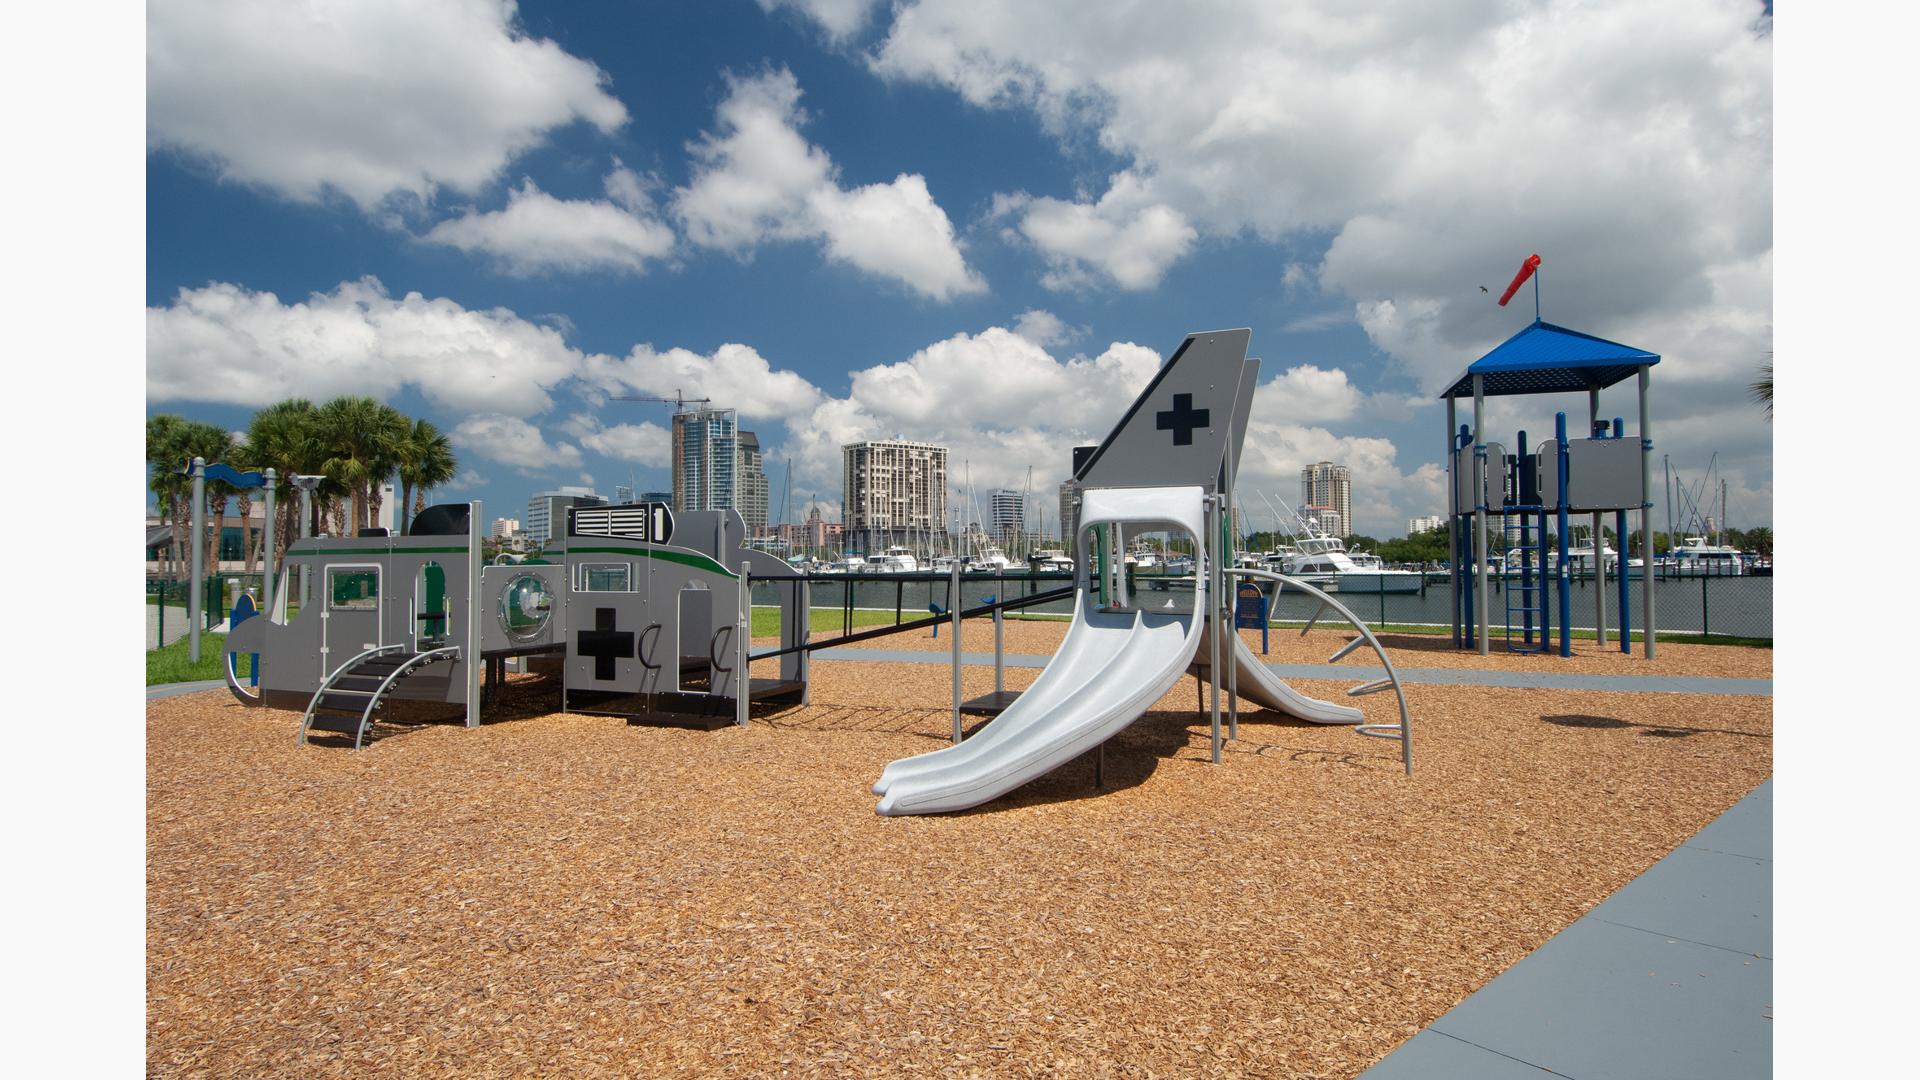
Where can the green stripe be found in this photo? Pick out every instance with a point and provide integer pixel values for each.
(684, 558)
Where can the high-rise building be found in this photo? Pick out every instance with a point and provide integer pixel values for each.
(1007, 514)
(622, 494)
(656, 497)
(1326, 492)
(389, 501)
(547, 510)
(895, 491)
(1425, 524)
(706, 459)
(1069, 520)
(505, 527)
(750, 491)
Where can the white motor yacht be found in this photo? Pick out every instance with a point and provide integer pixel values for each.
(897, 560)
(1323, 560)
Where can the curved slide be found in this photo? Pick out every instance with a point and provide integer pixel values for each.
(1258, 684)
(1111, 668)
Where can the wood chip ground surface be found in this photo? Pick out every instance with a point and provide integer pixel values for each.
(563, 895)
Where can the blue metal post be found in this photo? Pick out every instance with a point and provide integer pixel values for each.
(1626, 561)
(1526, 556)
(1560, 514)
(1463, 560)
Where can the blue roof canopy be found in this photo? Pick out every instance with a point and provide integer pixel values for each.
(1549, 359)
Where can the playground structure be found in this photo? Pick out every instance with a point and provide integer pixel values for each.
(1527, 490)
(646, 614)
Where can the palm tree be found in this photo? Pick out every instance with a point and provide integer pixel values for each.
(282, 437)
(213, 443)
(394, 429)
(426, 460)
(1762, 390)
(166, 457)
(359, 434)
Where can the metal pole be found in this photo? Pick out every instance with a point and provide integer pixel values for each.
(953, 609)
(305, 530)
(1480, 508)
(1213, 618)
(1453, 513)
(1646, 517)
(472, 664)
(198, 556)
(1599, 561)
(1560, 517)
(1233, 676)
(743, 647)
(266, 546)
(1624, 575)
(1000, 645)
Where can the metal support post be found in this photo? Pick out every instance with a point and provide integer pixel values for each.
(1625, 574)
(743, 647)
(267, 581)
(1000, 645)
(1479, 494)
(198, 556)
(1646, 519)
(953, 605)
(1233, 671)
(1212, 603)
(471, 663)
(1564, 572)
(1453, 521)
(1599, 541)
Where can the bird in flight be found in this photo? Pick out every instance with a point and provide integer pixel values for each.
(1483, 288)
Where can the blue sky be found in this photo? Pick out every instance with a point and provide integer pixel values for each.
(976, 223)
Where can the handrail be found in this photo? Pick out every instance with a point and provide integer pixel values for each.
(327, 683)
(411, 662)
(1403, 732)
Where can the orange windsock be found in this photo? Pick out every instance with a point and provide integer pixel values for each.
(1526, 271)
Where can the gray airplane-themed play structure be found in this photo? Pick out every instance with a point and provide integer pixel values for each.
(646, 613)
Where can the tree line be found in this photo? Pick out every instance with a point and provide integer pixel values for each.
(356, 443)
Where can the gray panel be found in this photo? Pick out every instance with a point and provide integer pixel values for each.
(1433, 1056)
(1603, 474)
(1242, 410)
(1701, 896)
(1605, 1002)
(1463, 477)
(1175, 433)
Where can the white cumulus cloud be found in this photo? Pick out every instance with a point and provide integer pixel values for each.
(365, 98)
(756, 179)
(536, 232)
(512, 441)
(733, 376)
(645, 443)
(227, 343)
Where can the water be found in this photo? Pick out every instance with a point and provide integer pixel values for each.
(1731, 606)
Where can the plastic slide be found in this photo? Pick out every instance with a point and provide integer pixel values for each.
(1258, 684)
(1112, 667)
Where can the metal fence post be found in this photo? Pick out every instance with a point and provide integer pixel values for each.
(1706, 627)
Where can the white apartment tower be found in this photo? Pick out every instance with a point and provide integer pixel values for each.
(706, 459)
(1007, 515)
(895, 491)
(1326, 491)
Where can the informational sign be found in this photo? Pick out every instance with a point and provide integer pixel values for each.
(649, 523)
(1250, 611)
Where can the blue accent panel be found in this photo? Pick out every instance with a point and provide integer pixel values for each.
(220, 470)
(1548, 359)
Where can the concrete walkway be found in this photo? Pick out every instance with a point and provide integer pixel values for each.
(1524, 680)
(1671, 977)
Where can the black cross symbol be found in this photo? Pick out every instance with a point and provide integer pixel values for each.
(604, 644)
(1182, 419)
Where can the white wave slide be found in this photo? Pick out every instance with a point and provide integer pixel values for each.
(1257, 683)
(1111, 668)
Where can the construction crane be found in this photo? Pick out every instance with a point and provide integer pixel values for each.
(678, 402)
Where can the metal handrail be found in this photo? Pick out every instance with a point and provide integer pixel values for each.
(327, 683)
(921, 624)
(1404, 730)
(414, 661)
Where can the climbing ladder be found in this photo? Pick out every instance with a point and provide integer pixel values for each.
(1524, 588)
(347, 700)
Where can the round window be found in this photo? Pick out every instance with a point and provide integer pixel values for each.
(525, 607)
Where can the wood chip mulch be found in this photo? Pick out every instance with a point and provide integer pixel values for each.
(564, 895)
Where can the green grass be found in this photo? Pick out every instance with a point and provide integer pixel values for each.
(1613, 636)
(170, 665)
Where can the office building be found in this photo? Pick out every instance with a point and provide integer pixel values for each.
(706, 459)
(896, 493)
(1007, 515)
(1326, 494)
(623, 494)
(547, 510)
(751, 484)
